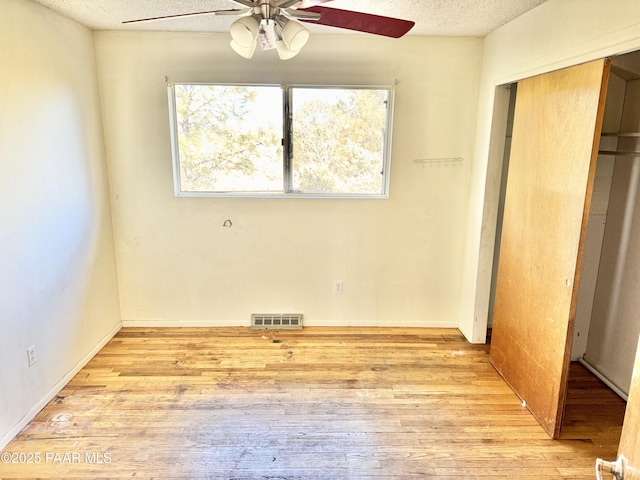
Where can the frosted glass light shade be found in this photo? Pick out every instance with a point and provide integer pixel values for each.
(246, 52)
(244, 31)
(294, 36)
(283, 52)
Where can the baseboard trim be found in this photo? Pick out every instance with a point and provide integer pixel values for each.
(30, 415)
(247, 323)
(593, 369)
(183, 323)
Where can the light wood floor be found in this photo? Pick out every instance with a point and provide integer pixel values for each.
(322, 403)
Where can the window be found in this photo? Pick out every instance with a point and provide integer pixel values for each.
(270, 141)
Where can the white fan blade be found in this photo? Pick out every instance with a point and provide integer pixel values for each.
(292, 12)
(240, 11)
(245, 3)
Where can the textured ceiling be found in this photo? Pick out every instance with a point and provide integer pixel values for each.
(432, 17)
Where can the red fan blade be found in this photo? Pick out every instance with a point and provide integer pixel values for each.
(239, 10)
(361, 22)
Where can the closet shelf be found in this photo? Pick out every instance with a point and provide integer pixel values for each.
(620, 134)
(619, 153)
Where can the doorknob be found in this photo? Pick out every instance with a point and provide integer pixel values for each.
(614, 468)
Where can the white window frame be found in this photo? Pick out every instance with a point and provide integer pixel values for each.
(287, 146)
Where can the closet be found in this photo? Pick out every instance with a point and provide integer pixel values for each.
(607, 323)
(567, 283)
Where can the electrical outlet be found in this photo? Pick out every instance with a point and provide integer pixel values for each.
(337, 287)
(31, 355)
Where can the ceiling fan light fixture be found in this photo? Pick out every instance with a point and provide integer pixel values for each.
(283, 51)
(244, 31)
(267, 37)
(294, 35)
(246, 52)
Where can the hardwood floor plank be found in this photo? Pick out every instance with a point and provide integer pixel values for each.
(321, 403)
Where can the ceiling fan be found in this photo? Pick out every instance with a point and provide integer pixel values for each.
(272, 24)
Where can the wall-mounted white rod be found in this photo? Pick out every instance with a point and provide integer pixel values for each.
(438, 161)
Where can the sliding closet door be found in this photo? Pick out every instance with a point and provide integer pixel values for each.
(551, 170)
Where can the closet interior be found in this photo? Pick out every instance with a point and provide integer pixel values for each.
(607, 322)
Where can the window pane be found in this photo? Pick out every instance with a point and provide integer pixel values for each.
(229, 138)
(338, 138)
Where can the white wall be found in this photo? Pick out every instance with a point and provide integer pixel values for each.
(557, 34)
(400, 259)
(58, 287)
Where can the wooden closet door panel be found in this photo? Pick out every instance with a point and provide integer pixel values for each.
(551, 170)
